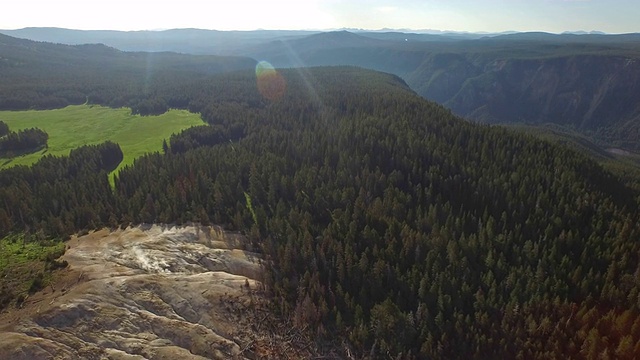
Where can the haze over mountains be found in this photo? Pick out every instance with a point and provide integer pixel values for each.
(585, 82)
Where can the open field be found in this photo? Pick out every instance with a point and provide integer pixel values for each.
(78, 125)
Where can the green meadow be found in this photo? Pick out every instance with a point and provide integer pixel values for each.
(25, 266)
(78, 125)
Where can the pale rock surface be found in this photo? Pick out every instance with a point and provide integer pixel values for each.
(148, 292)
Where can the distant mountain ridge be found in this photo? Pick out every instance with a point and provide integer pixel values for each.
(193, 41)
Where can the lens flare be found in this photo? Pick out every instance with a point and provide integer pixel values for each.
(271, 84)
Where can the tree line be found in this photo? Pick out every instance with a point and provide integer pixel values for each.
(21, 141)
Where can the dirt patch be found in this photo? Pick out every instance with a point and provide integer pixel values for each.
(152, 292)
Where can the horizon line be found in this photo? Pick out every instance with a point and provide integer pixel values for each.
(401, 30)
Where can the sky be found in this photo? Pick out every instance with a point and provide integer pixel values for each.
(611, 16)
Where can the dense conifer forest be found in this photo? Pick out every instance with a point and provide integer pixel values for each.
(386, 222)
(47, 76)
(21, 141)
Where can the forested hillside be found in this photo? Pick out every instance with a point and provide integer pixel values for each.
(387, 222)
(46, 76)
(584, 82)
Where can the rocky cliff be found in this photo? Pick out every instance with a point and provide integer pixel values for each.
(593, 94)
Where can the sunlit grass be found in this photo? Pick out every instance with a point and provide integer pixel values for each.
(74, 126)
(26, 266)
(15, 251)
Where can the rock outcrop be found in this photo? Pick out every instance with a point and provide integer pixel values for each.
(142, 293)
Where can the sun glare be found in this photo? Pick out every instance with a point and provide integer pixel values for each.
(271, 84)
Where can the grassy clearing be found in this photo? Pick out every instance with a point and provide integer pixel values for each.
(26, 266)
(79, 125)
(15, 251)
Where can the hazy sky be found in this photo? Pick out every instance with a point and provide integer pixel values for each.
(614, 16)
